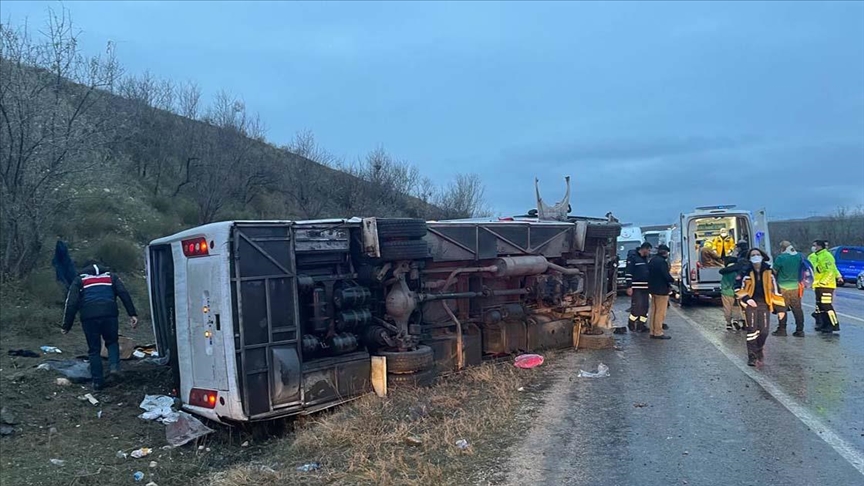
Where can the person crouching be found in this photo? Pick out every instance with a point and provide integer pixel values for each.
(760, 296)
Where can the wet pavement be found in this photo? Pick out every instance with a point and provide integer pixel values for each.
(689, 410)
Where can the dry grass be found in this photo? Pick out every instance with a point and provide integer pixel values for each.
(367, 441)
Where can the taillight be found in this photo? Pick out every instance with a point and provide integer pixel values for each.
(196, 247)
(203, 398)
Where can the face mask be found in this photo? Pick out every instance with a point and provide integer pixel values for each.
(813, 249)
(756, 259)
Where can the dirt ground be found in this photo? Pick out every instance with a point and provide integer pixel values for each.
(407, 438)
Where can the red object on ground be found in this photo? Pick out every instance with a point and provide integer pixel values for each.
(527, 361)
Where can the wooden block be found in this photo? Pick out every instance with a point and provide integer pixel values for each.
(599, 341)
(379, 375)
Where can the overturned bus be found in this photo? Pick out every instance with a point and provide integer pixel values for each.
(263, 319)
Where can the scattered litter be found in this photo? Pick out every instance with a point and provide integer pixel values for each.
(309, 467)
(201, 448)
(6, 429)
(90, 398)
(52, 430)
(138, 476)
(63, 381)
(414, 441)
(167, 447)
(44, 367)
(158, 407)
(602, 372)
(153, 464)
(640, 405)
(462, 444)
(139, 354)
(58, 462)
(24, 353)
(50, 350)
(527, 361)
(521, 388)
(142, 452)
(77, 371)
(151, 483)
(121, 455)
(686, 453)
(207, 449)
(187, 428)
(99, 414)
(245, 444)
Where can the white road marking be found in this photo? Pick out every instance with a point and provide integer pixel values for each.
(838, 313)
(844, 448)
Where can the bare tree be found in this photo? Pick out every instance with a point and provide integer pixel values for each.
(189, 98)
(462, 198)
(49, 130)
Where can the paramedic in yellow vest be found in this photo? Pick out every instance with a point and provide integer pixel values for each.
(723, 244)
(825, 280)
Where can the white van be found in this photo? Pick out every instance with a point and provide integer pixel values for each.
(629, 240)
(694, 263)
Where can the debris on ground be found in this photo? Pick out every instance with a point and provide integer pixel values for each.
(77, 371)
(58, 462)
(63, 382)
(158, 407)
(521, 388)
(139, 354)
(153, 464)
(185, 429)
(7, 417)
(24, 353)
(50, 350)
(309, 467)
(6, 429)
(138, 476)
(44, 367)
(142, 452)
(640, 405)
(90, 398)
(414, 441)
(121, 455)
(462, 444)
(99, 414)
(527, 361)
(602, 372)
(245, 444)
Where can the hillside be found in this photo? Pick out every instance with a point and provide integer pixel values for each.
(107, 162)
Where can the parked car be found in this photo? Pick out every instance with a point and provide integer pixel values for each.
(850, 261)
(860, 281)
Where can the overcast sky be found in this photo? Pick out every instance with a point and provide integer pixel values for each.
(651, 108)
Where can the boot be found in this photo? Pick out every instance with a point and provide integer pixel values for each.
(729, 326)
(751, 360)
(818, 317)
(737, 324)
(798, 333)
(620, 330)
(632, 326)
(781, 331)
(641, 328)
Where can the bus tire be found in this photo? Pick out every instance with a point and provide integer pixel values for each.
(398, 250)
(408, 228)
(421, 378)
(406, 362)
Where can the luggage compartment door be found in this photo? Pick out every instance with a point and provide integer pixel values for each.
(264, 287)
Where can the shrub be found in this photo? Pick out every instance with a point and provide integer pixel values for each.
(121, 255)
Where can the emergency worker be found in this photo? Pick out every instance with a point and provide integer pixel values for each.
(760, 296)
(826, 276)
(637, 289)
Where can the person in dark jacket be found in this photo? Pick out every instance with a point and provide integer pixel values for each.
(659, 285)
(637, 288)
(760, 296)
(93, 295)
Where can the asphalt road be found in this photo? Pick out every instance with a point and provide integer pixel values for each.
(689, 410)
